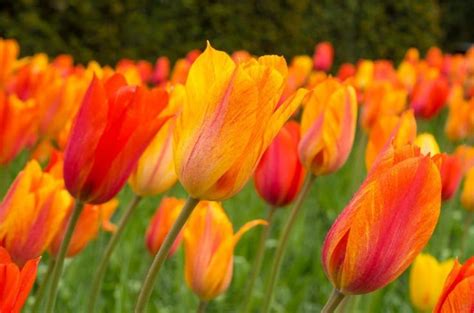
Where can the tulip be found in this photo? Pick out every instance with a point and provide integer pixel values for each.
(346, 71)
(209, 243)
(9, 50)
(456, 296)
(161, 71)
(323, 56)
(161, 223)
(427, 277)
(15, 282)
(450, 168)
(229, 118)
(328, 127)
(406, 74)
(466, 155)
(113, 127)
(279, 174)
(403, 128)
(18, 125)
(31, 213)
(427, 143)
(386, 224)
(412, 55)
(92, 218)
(429, 96)
(467, 195)
(155, 172)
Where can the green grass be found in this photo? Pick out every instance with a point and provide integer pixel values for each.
(302, 287)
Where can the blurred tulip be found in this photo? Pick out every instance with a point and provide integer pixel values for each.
(323, 56)
(229, 118)
(403, 128)
(434, 57)
(180, 71)
(241, 56)
(456, 296)
(466, 156)
(412, 55)
(365, 74)
(91, 220)
(113, 127)
(328, 127)
(406, 74)
(209, 243)
(429, 96)
(345, 71)
(427, 277)
(298, 73)
(155, 171)
(15, 282)
(386, 224)
(18, 126)
(9, 50)
(450, 168)
(467, 195)
(427, 143)
(161, 223)
(161, 72)
(279, 174)
(31, 213)
(380, 99)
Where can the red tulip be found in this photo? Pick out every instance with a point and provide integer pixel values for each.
(279, 174)
(323, 56)
(429, 96)
(113, 127)
(450, 167)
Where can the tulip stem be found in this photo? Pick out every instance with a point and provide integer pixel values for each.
(44, 286)
(257, 264)
(58, 266)
(465, 235)
(104, 261)
(201, 307)
(283, 242)
(334, 300)
(160, 257)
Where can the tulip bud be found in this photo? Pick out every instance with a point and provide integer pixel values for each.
(209, 243)
(456, 296)
(32, 212)
(161, 223)
(427, 143)
(229, 118)
(279, 174)
(113, 127)
(323, 56)
(15, 282)
(427, 277)
(328, 127)
(386, 224)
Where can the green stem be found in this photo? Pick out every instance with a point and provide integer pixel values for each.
(160, 257)
(201, 307)
(282, 243)
(58, 266)
(258, 260)
(465, 235)
(43, 287)
(333, 301)
(104, 261)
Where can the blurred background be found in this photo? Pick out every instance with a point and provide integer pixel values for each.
(144, 29)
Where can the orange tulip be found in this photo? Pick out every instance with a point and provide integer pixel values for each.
(91, 220)
(458, 291)
(18, 125)
(279, 174)
(32, 212)
(161, 223)
(113, 127)
(328, 127)
(429, 96)
(345, 71)
(9, 50)
(298, 73)
(386, 224)
(155, 171)
(467, 195)
(402, 127)
(412, 55)
(466, 155)
(15, 283)
(209, 243)
(323, 56)
(229, 118)
(450, 168)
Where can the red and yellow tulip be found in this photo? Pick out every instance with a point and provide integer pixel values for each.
(386, 224)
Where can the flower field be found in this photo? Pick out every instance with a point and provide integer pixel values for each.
(237, 183)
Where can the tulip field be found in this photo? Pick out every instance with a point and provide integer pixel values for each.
(237, 183)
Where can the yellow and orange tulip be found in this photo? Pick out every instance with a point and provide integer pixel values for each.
(328, 127)
(229, 118)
